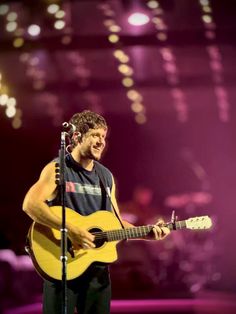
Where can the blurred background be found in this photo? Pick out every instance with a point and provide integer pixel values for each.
(163, 75)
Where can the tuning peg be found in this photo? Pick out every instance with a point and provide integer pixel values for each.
(173, 218)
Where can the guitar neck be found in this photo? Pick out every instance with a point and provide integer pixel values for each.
(135, 232)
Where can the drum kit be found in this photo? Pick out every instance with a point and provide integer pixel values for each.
(175, 261)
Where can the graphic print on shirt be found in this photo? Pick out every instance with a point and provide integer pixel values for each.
(80, 188)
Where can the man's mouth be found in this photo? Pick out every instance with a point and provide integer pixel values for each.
(98, 149)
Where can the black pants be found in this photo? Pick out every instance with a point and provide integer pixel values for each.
(89, 294)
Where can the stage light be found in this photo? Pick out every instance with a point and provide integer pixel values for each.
(204, 2)
(11, 16)
(109, 22)
(161, 26)
(34, 61)
(11, 102)
(134, 95)
(11, 26)
(216, 65)
(16, 123)
(138, 19)
(124, 59)
(34, 30)
(157, 20)
(152, 4)
(113, 38)
(125, 69)
(53, 8)
(127, 82)
(114, 28)
(3, 99)
(137, 107)
(170, 67)
(60, 14)
(140, 118)
(167, 54)
(162, 36)
(207, 18)
(118, 53)
(157, 11)
(206, 9)
(121, 56)
(4, 9)
(109, 12)
(60, 24)
(10, 112)
(18, 42)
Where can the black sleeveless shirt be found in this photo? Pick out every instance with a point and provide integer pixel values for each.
(84, 192)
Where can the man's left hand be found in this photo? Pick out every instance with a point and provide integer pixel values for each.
(159, 231)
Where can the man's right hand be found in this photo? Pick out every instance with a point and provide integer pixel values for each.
(81, 238)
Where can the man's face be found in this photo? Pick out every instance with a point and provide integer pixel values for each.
(93, 143)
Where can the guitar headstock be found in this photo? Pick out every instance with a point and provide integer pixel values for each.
(199, 223)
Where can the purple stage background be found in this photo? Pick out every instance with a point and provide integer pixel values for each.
(167, 90)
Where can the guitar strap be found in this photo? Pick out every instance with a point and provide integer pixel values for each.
(105, 192)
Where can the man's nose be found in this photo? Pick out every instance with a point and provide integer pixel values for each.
(102, 140)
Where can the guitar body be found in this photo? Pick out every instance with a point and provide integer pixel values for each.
(45, 250)
(44, 245)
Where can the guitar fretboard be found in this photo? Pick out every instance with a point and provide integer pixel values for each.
(134, 232)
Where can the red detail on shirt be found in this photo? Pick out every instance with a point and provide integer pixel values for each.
(70, 187)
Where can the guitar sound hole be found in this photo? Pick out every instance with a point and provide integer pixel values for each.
(99, 241)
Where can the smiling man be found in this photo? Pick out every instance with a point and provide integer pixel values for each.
(90, 293)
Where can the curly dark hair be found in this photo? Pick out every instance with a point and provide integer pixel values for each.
(85, 120)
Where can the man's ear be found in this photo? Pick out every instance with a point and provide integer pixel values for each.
(77, 137)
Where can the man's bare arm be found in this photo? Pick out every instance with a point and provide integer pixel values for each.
(35, 206)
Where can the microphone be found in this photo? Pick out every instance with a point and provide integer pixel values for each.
(69, 127)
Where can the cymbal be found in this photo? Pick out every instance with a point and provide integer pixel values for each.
(185, 199)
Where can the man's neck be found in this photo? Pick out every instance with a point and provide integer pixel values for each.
(84, 162)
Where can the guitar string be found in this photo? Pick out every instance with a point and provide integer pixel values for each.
(133, 232)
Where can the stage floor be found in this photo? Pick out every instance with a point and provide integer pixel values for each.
(225, 305)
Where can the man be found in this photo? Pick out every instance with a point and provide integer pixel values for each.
(90, 293)
(139, 209)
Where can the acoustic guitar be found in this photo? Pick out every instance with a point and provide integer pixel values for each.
(44, 243)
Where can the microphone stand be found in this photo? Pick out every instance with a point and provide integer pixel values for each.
(63, 229)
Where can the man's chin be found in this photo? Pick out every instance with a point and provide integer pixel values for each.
(96, 157)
